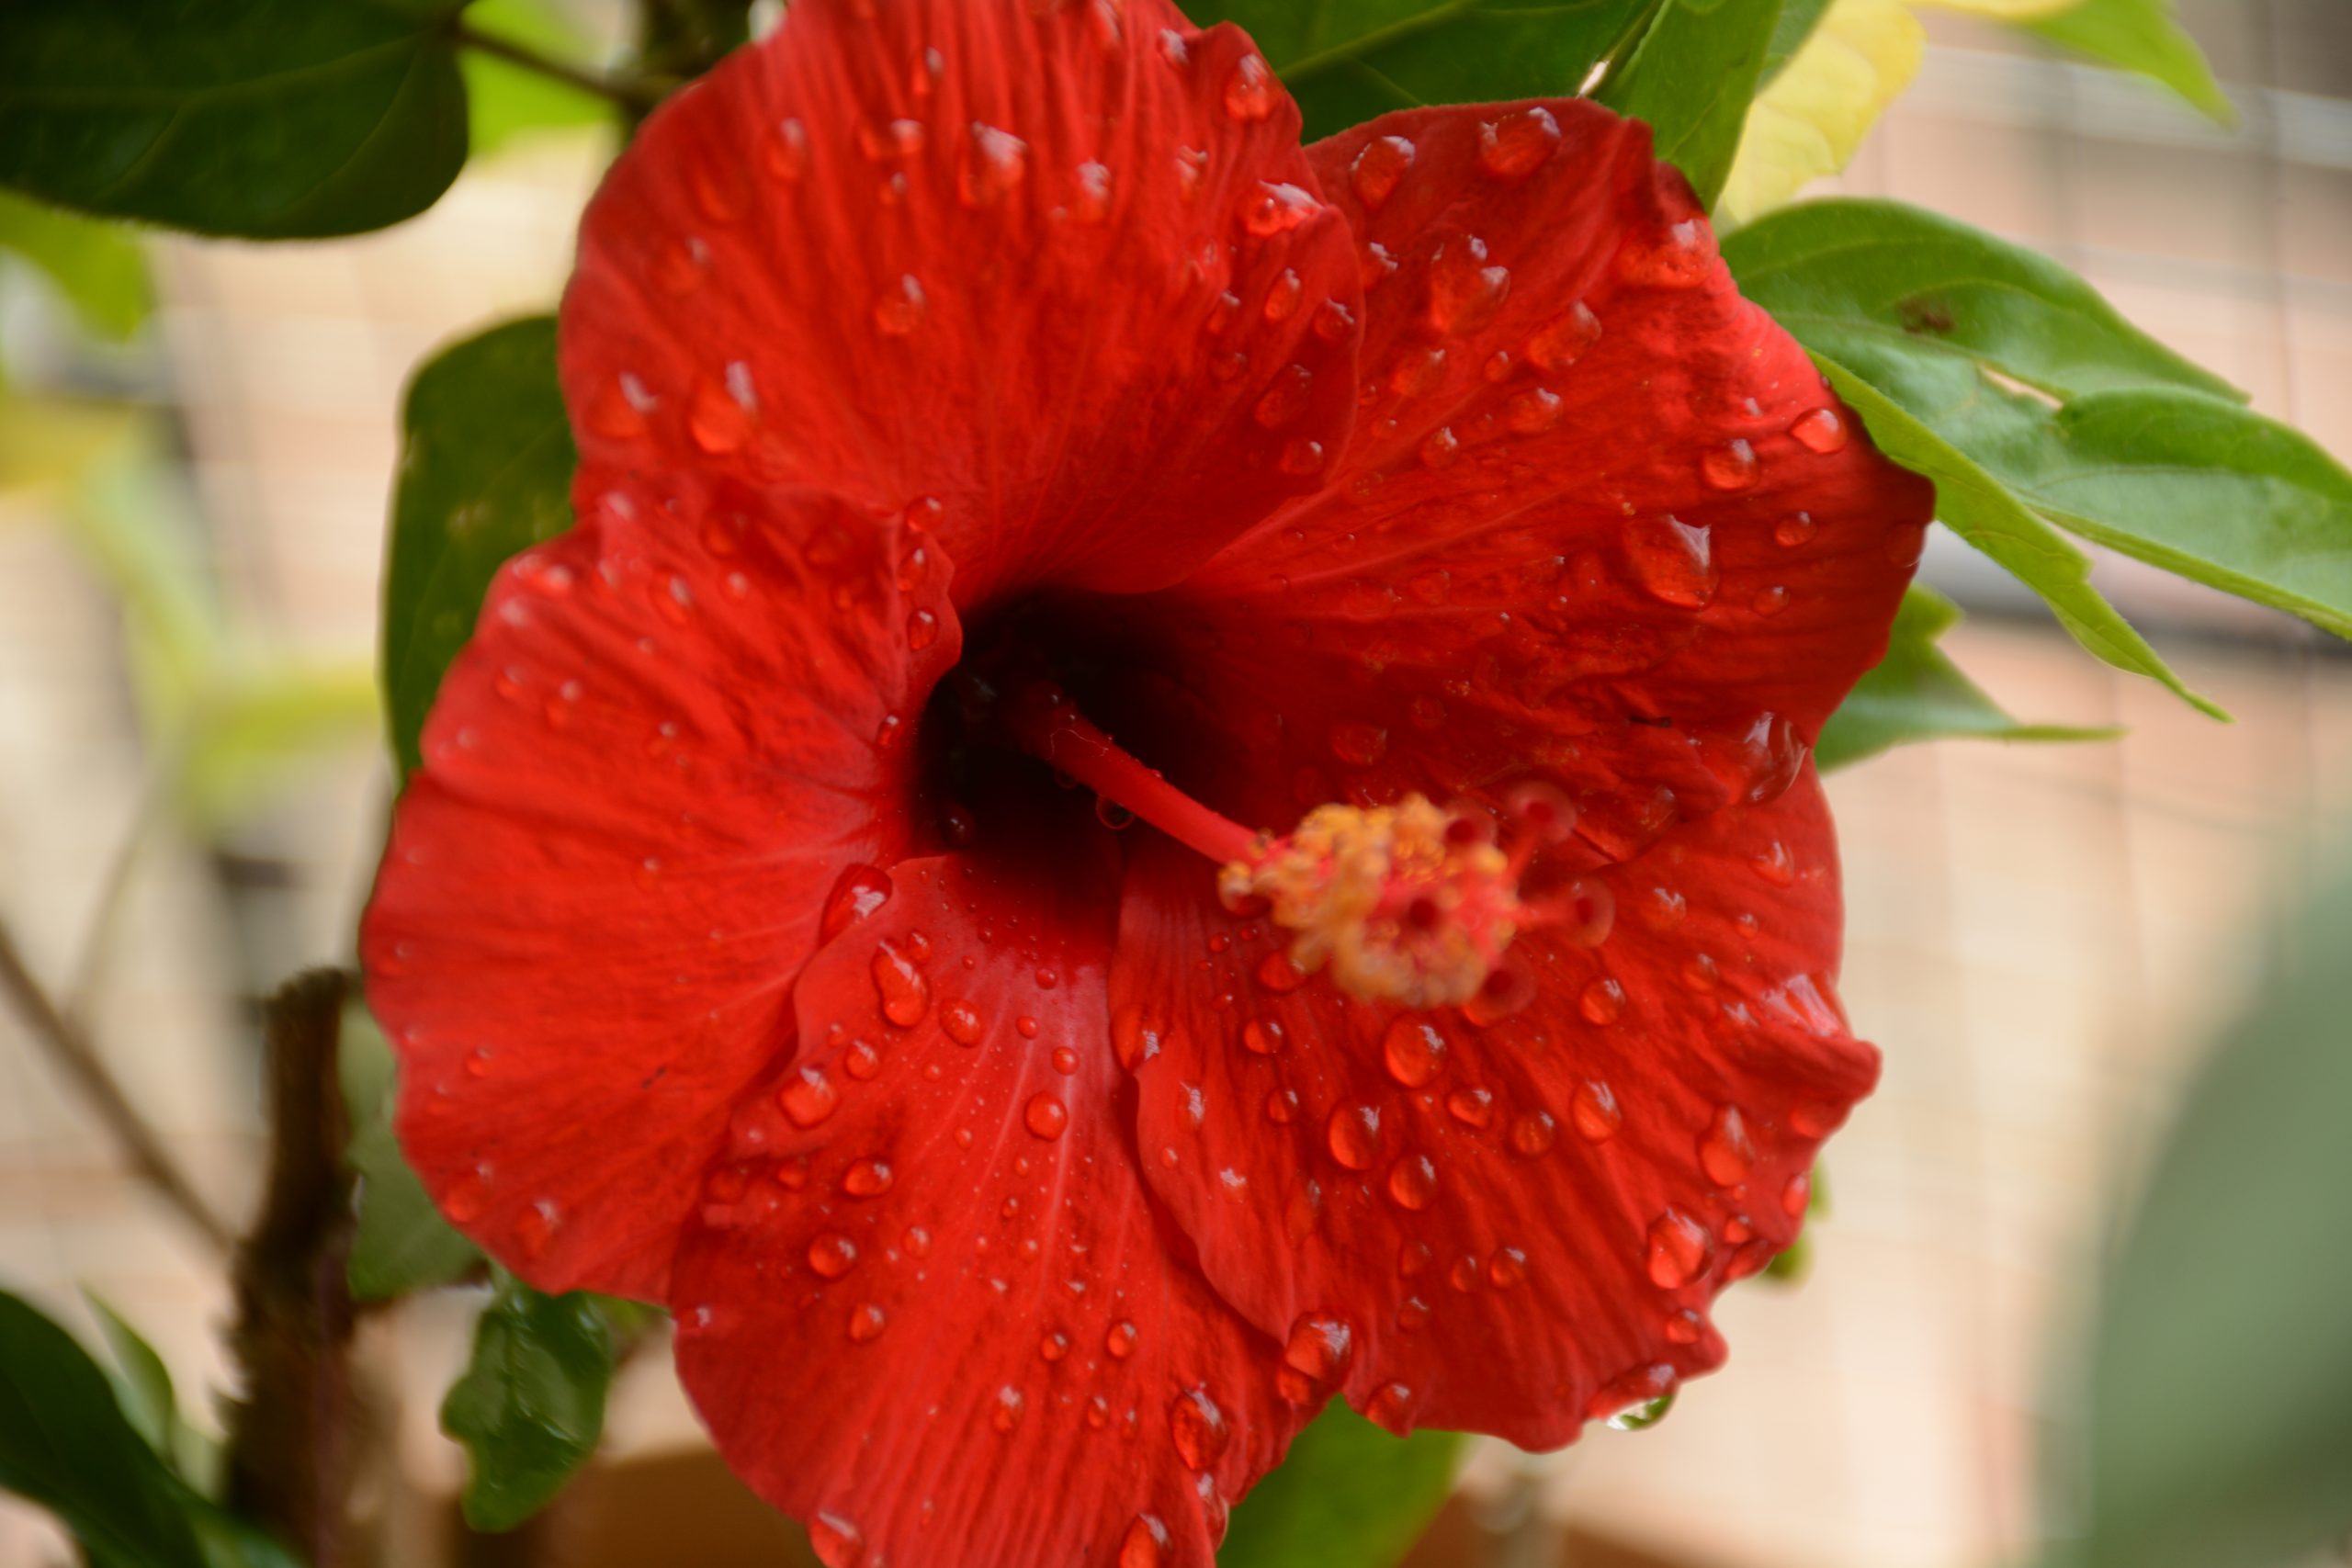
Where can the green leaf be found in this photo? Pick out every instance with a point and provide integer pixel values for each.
(2141, 36)
(1916, 692)
(269, 119)
(1692, 78)
(401, 1242)
(1349, 63)
(485, 471)
(253, 727)
(142, 1384)
(2219, 1396)
(97, 266)
(1348, 1494)
(1981, 509)
(66, 1445)
(1847, 276)
(1798, 18)
(503, 99)
(530, 1406)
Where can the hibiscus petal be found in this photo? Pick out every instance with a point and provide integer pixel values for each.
(1601, 519)
(643, 778)
(1520, 1226)
(1062, 268)
(943, 1323)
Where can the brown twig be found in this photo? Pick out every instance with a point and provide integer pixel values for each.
(73, 1053)
(634, 94)
(291, 1440)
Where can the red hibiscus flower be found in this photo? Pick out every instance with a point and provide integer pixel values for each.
(959, 383)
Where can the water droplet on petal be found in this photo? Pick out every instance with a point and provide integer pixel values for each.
(905, 994)
(807, 1096)
(1412, 1183)
(1474, 1108)
(963, 1022)
(1595, 1112)
(1144, 1544)
(786, 150)
(832, 1255)
(1263, 1037)
(1732, 466)
(1287, 398)
(1378, 169)
(1250, 92)
(1414, 1050)
(1820, 431)
(1391, 1408)
(1602, 1001)
(1680, 1250)
(1725, 1151)
(1506, 1268)
(1282, 1107)
(901, 308)
(1794, 530)
(1517, 144)
(994, 162)
(1770, 601)
(1271, 208)
(1672, 559)
(1199, 1429)
(1120, 1341)
(1466, 289)
(866, 1323)
(1352, 1134)
(1316, 1355)
(1533, 1134)
(1046, 1115)
(867, 1179)
(836, 1540)
(1797, 1196)
(1009, 1407)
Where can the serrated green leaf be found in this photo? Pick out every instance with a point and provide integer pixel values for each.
(1349, 1493)
(503, 100)
(97, 265)
(1844, 274)
(2140, 36)
(268, 118)
(530, 1407)
(485, 471)
(66, 1445)
(400, 1242)
(2219, 1396)
(1916, 692)
(1692, 79)
(1347, 63)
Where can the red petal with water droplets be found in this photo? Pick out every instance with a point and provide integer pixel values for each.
(642, 779)
(1520, 1223)
(1064, 269)
(946, 1325)
(1594, 523)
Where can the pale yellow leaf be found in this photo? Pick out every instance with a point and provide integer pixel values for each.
(1810, 118)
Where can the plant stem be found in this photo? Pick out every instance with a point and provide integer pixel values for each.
(293, 1437)
(634, 94)
(72, 1051)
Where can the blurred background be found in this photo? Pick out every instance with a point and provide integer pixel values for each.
(192, 784)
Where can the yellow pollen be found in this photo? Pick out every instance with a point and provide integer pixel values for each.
(1405, 903)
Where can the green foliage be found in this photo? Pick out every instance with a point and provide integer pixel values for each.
(1692, 78)
(530, 1406)
(503, 99)
(401, 1242)
(66, 1445)
(1348, 1494)
(269, 119)
(2219, 1396)
(1798, 18)
(97, 266)
(2140, 36)
(2035, 408)
(1351, 62)
(1916, 692)
(485, 471)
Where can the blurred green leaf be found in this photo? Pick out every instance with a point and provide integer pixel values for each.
(255, 725)
(1349, 1493)
(401, 1243)
(505, 101)
(1692, 79)
(66, 1445)
(269, 119)
(2141, 36)
(530, 1407)
(142, 1384)
(485, 471)
(1798, 18)
(97, 265)
(48, 443)
(1848, 274)
(1916, 692)
(2219, 1397)
(1349, 61)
